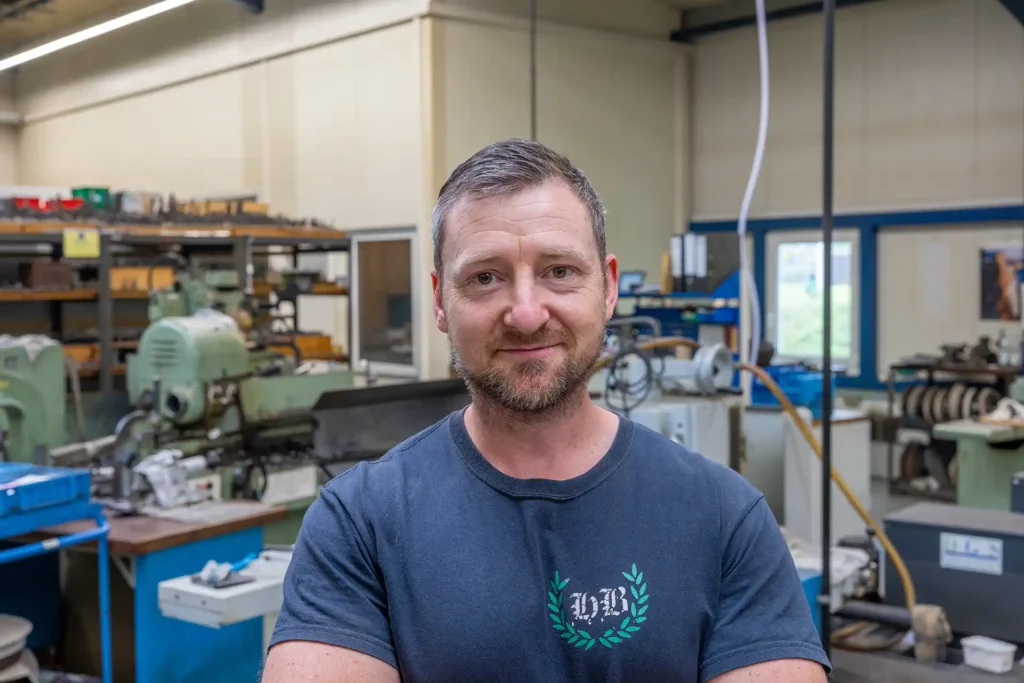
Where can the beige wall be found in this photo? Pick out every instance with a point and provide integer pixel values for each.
(929, 110)
(612, 103)
(930, 288)
(8, 133)
(929, 114)
(651, 18)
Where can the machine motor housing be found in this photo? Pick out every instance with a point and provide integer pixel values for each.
(32, 401)
(188, 356)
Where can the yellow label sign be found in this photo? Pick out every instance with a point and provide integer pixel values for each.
(81, 243)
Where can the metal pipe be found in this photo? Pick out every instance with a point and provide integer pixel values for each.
(892, 615)
(828, 122)
(533, 69)
(78, 454)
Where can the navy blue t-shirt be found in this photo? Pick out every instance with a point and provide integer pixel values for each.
(655, 565)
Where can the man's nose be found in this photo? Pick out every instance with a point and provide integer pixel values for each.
(528, 312)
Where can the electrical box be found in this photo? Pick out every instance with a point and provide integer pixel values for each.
(968, 560)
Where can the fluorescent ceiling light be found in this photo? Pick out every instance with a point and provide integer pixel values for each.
(92, 32)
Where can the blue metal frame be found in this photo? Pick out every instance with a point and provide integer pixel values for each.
(99, 534)
(868, 225)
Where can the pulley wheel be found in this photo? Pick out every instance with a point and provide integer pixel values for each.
(926, 403)
(986, 401)
(912, 462)
(912, 403)
(954, 399)
(967, 403)
(939, 404)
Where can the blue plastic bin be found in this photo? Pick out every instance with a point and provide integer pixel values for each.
(26, 488)
(802, 386)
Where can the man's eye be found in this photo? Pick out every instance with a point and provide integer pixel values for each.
(561, 272)
(484, 278)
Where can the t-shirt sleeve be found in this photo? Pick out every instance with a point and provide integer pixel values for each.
(333, 590)
(762, 614)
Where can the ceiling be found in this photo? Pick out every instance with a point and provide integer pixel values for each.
(27, 21)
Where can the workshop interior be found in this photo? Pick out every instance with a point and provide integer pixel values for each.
(215, 257)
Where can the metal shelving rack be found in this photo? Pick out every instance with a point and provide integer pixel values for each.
(116, 241)
(905, 429)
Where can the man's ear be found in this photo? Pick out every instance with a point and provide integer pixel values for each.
(435, 283)
(611, 285)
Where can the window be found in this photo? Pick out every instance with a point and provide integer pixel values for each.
(795, 297)
(382, 308)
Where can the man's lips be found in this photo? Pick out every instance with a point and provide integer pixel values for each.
(529, 351)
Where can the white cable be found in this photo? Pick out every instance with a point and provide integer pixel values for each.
(746, 276)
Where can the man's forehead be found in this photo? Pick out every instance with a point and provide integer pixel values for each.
(550, 207)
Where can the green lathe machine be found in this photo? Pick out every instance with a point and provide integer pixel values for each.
(988, 455)
(217, 413)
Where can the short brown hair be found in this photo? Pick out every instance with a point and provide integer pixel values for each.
(505, 168)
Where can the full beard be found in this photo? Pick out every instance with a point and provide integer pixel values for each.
(522, 389)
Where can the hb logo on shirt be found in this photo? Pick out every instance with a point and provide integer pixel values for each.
(585, 607)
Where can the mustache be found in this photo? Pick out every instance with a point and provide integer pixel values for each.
(511, 339)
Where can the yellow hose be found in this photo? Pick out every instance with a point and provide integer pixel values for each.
(805, 429)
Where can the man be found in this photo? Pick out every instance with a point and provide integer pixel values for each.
(535, 536)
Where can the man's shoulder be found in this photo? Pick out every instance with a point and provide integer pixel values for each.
(381, 475)
(702, 478)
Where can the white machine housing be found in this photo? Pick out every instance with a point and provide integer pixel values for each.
(183, 599)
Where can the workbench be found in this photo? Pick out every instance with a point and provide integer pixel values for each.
(150, 648)
(987, 457)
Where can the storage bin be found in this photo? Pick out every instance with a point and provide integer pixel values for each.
(26, 488)
(988, 654)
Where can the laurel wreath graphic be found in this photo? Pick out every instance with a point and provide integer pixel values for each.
(611, 637)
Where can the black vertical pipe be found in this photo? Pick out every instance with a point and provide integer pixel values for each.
(828, 122)
(533, 70)
(106, 315)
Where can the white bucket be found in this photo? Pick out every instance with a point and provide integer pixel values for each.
(988, 654)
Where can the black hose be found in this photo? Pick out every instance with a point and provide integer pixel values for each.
(632, 393)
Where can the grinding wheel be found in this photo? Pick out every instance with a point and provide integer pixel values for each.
(13, 639)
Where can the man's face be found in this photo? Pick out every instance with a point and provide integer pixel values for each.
(524, 297)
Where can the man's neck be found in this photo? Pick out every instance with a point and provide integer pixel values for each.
(559, 445)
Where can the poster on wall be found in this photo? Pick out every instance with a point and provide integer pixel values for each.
(1000, 289)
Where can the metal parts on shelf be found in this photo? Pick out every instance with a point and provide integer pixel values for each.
(946, 402)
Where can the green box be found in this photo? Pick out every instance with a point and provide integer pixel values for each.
(96, 197)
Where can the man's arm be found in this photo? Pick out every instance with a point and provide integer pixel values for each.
(333, 625)
(296, 661)
(781, 671)
(762, 629)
